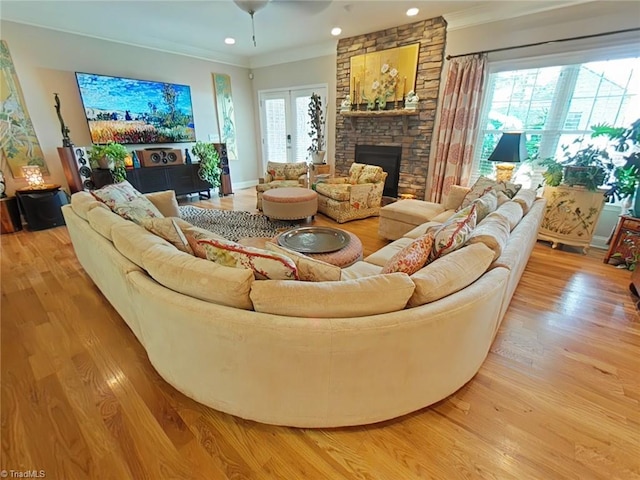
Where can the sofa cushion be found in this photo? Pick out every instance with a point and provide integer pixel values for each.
(350, 298)
(337, 191)
(82, 202)
(265, 264)
(166, 202)
(132, 241)
(511, 211)
(485, 205)
(525, 197)
(422, 229)
(484, 185)
(493, 232)
(452, 235)
(455, 197)
(450, 273)
(198, 278)
(412, 257)
(102, 220)
(169, 228)
(359, 270)
(382, 256)
(309, 269)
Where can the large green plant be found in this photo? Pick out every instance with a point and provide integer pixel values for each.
(209, 170)
(111, 156)
(625, 178)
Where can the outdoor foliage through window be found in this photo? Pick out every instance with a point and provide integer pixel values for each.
(554, 106)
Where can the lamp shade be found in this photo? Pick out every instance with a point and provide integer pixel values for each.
(510, 149)
(33, 176)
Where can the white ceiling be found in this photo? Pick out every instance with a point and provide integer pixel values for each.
(285, 29)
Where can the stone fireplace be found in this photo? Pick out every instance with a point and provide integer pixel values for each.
(386, 156)
(411, 134)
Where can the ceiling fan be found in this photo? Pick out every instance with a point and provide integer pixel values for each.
(304, 6)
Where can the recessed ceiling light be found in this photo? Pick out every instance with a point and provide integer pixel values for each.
(412, 12)
(335, 31)
(229, 41)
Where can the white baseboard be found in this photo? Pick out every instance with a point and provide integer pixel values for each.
(243, 185)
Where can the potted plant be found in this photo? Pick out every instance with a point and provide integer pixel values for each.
(624, 183)
(110, 156)
(317, 129)
(209, 162)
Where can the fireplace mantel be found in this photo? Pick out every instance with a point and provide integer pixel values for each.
(405, 114)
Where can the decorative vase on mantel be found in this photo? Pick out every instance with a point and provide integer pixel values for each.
(318, 157)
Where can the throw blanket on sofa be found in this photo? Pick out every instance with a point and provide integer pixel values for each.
(234, 225)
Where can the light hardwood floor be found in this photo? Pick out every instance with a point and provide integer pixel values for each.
(557, 398)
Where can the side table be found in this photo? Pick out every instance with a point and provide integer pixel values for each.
(625, 240)
(41, 207)
(10, 220)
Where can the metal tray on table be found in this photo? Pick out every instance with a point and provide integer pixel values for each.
(314, 239)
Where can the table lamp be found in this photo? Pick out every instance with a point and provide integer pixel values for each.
(510, 150)
(33, 176)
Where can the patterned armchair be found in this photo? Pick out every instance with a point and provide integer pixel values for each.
(280, 175)
(354, 197)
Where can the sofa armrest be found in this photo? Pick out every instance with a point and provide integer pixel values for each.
(303, 180)
(360, 195)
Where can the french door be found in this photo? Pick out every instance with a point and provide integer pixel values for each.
(285, 123)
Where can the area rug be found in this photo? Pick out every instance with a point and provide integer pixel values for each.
(234, 225)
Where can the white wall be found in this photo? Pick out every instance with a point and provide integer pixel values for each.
(46, 62)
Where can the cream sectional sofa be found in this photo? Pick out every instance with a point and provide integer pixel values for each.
(366, 348)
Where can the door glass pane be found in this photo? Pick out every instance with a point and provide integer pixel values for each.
(275, 130)
(302, 125)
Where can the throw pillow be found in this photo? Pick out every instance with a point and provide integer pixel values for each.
(453, 234)
(485, 205)
(116, 192)
(193, 234)
(354, 172)
(265, 265)
(484, 185)
(166, 202)
(412, 257)
(168, 228)
(122, 198)
(370, 174)
(309, 269)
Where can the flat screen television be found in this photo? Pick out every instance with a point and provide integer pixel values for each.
(130, 111)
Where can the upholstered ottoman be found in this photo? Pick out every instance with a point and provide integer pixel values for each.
(289, 203)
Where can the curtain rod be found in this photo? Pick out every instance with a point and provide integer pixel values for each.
(595, 35)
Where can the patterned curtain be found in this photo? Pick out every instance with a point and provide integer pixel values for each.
(458, 124)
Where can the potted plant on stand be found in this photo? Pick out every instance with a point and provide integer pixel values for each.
(317, 129)
(110, 157)
(625, 182)
(209, 162)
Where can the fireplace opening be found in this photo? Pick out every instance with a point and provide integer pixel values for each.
(387, 157)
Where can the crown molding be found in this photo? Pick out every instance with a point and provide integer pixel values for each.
(472, 17)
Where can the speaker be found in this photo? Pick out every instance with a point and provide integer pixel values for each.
(75, 164)
(160, 157)
(225, 177)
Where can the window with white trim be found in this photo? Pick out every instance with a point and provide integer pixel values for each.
(555, 105)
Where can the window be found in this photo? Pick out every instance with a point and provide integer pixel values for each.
(285, 123)
(555, 106)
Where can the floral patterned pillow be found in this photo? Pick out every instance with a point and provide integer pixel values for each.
(354, 172)
(370, 174)
(452, 234)
(265, 264)
(122, 198)
(484, 185)
(412, 257)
